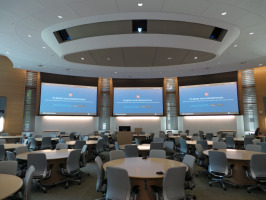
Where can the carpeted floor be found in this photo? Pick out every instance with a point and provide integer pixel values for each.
(87, 189)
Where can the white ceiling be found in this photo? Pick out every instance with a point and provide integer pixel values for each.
(39, 18)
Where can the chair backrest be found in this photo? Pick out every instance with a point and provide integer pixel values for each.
(248, 140)
(100, 173)
(219, 145)
(253, 147)
(83, 158)
(183, 146)
(85, 137)
(137, 141)
(263, 146)
(39, 161)
(114, 137)
(187, 132)
(117, 154)
(215, 139)
(209, 136)
(173, 183)
(156, 145)
(27, 182)
(199, 151)
(159, 139)
(195, 137)
(2, 141)
(230, 142)
(37, 136)
(46, 143)
(189, 160)
(257, 167)
(169, 146)
(157, 153)
(73, 159)
(105, 140)
(72, 136)
(2, 152)
(22, 149)
(204, 144)
(8, 167)
(61, 146)
(119, 190)
(10, 156)
(32, 143)
(99, 146)
(255, 141)
(131, 151)
(218, 162)
(117, 146)
(79, 144)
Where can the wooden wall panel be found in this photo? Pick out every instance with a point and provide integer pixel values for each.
(12, 86)
(260, 84)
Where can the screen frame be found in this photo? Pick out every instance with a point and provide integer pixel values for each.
(135, 115)
(210, 114)
(92, 86)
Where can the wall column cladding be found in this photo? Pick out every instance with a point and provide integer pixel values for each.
(12, 86)
(105, 90)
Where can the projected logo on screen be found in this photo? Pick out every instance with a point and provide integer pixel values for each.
(70, 94)
(138, 96)
(206, 94)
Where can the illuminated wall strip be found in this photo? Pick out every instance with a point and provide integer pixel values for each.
(2, 121)
(209, 117)
(138, 118)
(67, 117)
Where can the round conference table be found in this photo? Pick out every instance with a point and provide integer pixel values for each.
(11, 138)
(88, 142)
(9, 184)
(40, 139)
(238, 158)
(12, 146)
(54, 158)
(194, 142)
(142, 172)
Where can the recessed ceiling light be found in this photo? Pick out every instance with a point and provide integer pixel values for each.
(7, 52)
(251, 33)
(260, 65)
(44, 47)
(82, 59)
(108, 59)
(115, 72)
(223, 13)
(195, 58)
(29, 35)
(60, 17)
(18, 66)
(140, 4)
(235, 45)
(169, 58)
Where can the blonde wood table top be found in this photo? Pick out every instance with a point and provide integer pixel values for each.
(141, 147)
(144, 168)
(141, 135)
(50, 154)
(9, 184)
(88, 142)
(11, 137)
(13, 146)
(236, 154)
(40, 139)
(177, 136)
(194, 142)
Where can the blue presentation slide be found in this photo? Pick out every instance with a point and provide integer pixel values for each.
(220, 98)
(138, 101)
(59, 99)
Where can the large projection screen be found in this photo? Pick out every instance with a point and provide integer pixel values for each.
(209, 99)
(138, 101)
(62, 99)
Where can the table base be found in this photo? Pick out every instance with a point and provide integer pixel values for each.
(145, 191)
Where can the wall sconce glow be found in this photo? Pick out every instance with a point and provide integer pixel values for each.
(209, 117)
(138, 118)
(139, 30)
(67, 117)
(2, 121)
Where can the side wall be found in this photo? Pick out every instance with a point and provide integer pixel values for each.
(12, 86)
